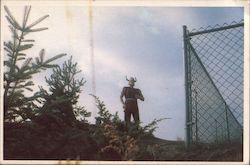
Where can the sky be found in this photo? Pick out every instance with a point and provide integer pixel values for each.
(145, 42)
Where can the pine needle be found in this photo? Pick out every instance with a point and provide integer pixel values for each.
(26, 15)
(37, 21)
(13, 20)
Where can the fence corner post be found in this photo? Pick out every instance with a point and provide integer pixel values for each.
(185, 37)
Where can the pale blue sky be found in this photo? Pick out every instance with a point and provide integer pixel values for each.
(145, 42)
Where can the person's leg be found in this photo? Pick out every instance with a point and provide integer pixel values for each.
(136, 117)
(127, 117)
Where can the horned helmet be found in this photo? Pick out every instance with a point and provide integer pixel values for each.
(131, 80)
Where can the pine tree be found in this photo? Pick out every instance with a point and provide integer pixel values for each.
(19, 68)
(63, 94)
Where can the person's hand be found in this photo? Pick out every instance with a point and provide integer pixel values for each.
(138, 96)
(124, 106)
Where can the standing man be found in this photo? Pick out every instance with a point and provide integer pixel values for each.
(130, 105)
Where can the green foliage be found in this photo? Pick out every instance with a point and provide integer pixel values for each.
(81, 113)
(152, 126)
(64, 90)
(119, 145)
(116, 140)
(63, 81)
(19, 68)
(103, 114)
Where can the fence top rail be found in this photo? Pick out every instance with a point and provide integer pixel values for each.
(215, 29)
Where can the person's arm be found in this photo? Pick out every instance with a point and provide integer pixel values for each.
(121, 97)
(139, 95)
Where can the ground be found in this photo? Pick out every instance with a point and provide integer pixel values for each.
(29, 141)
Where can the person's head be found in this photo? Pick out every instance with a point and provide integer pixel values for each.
(131, 81)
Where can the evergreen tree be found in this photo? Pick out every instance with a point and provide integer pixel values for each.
(64, 91)
(19, 69)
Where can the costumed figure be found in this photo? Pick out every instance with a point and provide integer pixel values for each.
(130, 105)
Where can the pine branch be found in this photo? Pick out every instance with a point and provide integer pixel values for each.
(37, 21)
(28, 40)
(36, 30)
(26, 15)
(11, 19)
(54, 58)
(14, 32)
(103, 113)
(24, 47)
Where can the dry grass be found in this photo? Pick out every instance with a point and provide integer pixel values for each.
(176, 151)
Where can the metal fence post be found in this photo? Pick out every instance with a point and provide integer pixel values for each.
(185, 38)
(196, 117)
(216, 131)
(228, 131)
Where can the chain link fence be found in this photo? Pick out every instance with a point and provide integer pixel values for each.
(214, 83)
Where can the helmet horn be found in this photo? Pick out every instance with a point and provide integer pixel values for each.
(127, 78)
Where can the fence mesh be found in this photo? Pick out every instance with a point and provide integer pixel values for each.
(214, 83)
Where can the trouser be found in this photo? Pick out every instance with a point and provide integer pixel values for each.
(135, 116)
